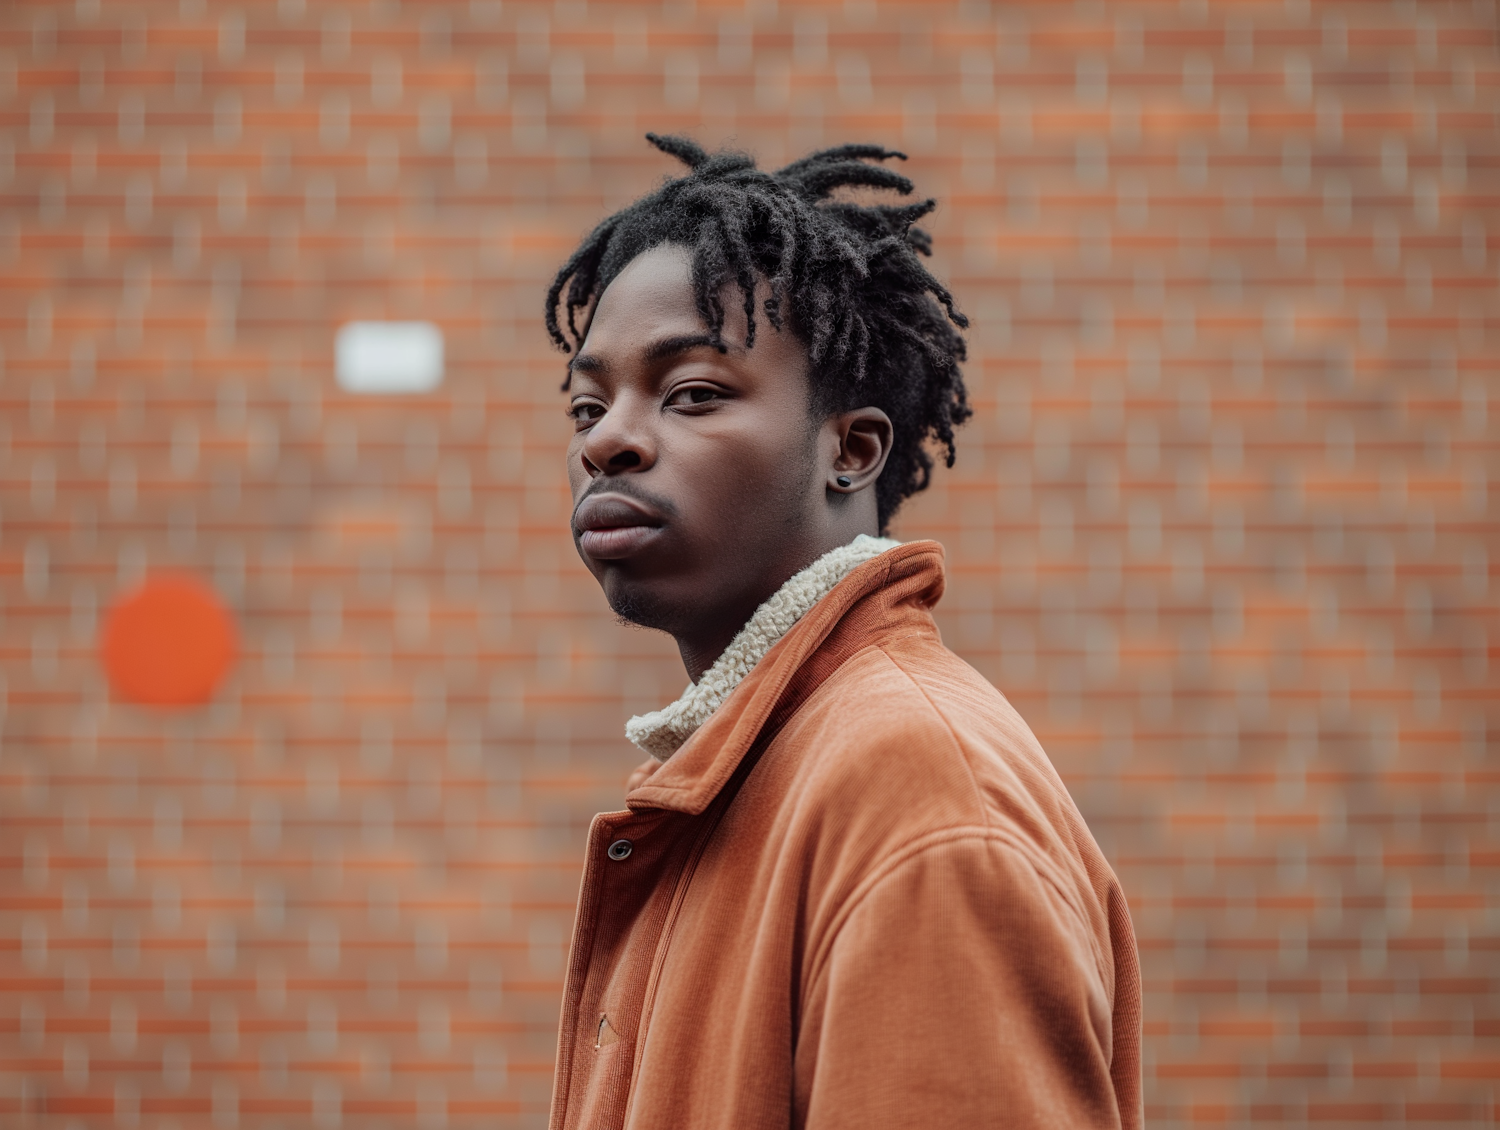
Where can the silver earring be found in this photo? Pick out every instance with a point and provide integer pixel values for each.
(844, 481)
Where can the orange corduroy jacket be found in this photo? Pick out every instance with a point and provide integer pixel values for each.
(859, 896)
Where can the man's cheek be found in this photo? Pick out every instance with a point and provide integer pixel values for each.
(578, 478)
(764, 476)
(742, 465)
(730, 493)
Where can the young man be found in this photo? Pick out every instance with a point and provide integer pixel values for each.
(850, 890)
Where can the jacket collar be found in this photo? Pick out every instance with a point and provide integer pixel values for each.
(662, 732)
(891, 593)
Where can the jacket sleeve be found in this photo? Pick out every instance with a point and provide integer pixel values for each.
(962, 989)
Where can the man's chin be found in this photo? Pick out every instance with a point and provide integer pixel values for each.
(639, 605)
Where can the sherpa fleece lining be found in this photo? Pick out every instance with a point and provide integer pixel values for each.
(662, 732)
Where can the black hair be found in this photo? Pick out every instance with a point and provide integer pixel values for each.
(878, 327)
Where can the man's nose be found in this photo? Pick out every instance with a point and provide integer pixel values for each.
(620, 441)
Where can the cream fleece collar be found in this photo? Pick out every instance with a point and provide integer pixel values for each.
(662, 732)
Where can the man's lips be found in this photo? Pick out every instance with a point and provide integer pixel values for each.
(611, 526)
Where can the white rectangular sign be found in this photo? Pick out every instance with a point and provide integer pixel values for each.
(389, 357)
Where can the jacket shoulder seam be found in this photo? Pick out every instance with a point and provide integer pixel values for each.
(958, 746)
(917, 848)
(1044, 866)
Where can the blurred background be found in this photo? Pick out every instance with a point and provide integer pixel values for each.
(1221, 528)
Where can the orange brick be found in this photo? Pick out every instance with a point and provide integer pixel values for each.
(1222, 527)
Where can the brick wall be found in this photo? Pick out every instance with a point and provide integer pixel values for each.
(1221, 528)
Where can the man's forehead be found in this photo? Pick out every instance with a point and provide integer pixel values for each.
(650, 311)
(651, 301)
(623, 329)
(657, 283)
(615, 336)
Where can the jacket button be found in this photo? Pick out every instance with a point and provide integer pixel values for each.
(620, 849)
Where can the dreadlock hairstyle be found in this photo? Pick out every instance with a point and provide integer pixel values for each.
(843, 275)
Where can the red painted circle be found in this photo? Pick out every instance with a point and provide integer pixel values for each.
(168, 643)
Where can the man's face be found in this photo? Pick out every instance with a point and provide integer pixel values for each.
(695, 473)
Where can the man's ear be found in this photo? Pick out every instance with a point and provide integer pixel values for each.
(863, 439)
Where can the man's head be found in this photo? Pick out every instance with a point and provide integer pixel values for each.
(758, 370)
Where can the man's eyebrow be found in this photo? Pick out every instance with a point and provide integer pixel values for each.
(670, 346)
(665, 347)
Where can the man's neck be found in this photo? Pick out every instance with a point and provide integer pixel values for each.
(713, 634)
(700, 649)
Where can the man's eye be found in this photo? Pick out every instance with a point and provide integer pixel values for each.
(585, 411)
(696, 394)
